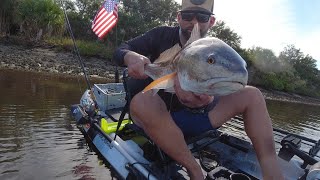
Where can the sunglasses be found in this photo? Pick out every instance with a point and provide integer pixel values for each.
(201, 17)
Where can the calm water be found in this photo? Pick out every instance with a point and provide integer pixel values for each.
(39, 140)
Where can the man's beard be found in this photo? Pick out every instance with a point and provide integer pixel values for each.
(186, 34)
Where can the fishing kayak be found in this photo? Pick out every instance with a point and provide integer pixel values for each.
(102, 118)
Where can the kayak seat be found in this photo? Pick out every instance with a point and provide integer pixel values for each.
(291, 147)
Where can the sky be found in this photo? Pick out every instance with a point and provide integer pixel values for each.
(274, 24)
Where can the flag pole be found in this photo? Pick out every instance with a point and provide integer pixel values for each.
(116, 76)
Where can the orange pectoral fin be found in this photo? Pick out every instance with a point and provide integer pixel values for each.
(164, 82)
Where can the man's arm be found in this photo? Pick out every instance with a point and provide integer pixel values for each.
(150, 44)
(134, 52)
(142, 45)
(126, 55)
(135, 63)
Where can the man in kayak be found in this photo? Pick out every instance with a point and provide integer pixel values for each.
(168, 118)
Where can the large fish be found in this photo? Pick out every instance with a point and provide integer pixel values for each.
(203, 66)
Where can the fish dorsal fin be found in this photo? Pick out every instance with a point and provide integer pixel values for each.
(195, 34)
(168, 55)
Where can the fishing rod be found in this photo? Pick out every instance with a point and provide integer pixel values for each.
(75, 46)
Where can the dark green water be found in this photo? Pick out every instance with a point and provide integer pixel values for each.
(39, 140)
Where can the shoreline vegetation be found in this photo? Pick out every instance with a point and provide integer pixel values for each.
(49, 59)
(37, 32)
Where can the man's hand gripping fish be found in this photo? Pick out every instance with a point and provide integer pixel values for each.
(203, 66)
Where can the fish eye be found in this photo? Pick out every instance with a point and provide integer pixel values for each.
(211, 60)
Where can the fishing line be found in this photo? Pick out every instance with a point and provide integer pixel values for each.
(75, 46)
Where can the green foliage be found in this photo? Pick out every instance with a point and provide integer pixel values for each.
(157, 11)
(81, 27)
(86, 48)
(5, 4)
(246, 56)
(265, 60)
(7, 14)
(304, 66)
(87, 9)
(135, 18)
(80, 14)
(138, 16)
(37, 15)
(95, 49)
(271, 80)
(282, 81)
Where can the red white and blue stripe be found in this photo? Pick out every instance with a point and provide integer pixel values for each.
(106, 18)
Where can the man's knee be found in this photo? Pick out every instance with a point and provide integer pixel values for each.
(137, 103)
(253, 94)
(144, 106)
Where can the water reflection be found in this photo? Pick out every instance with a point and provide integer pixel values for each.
(297, 118)
(39, 140)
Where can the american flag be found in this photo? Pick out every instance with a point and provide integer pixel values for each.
(106, 18)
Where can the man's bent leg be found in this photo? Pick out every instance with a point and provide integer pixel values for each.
(150, 113)
(251, 104)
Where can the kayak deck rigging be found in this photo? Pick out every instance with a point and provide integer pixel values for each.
(218, 152)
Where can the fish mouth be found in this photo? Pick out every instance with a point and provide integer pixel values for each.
(222, 88)
(224, 81)
(225, 88)
(226, 84)
(213, 87)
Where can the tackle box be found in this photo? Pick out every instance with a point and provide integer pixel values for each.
(109, 96)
